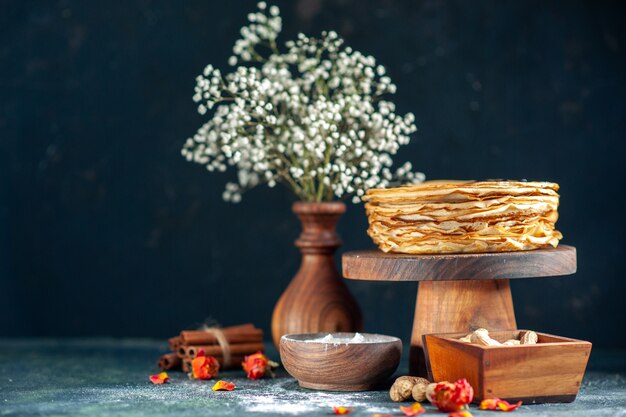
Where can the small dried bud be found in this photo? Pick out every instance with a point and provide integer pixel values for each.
(204, 367)
(448, 396)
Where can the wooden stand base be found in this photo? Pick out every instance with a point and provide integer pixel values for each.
(459, 292)
(458, 306)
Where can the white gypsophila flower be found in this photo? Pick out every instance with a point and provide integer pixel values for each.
(313, 117)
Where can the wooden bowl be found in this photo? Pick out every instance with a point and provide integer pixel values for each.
(550, 371)
(344, 366)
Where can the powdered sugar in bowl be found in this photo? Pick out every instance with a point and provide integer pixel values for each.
(340, 361)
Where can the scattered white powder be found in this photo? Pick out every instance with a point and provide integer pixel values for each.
(285, 397)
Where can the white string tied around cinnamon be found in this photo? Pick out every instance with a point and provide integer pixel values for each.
(222, 341)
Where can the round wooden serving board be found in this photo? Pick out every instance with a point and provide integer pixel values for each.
(375, 265)
(459, 292)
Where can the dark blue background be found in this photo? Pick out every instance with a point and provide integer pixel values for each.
(106, 230)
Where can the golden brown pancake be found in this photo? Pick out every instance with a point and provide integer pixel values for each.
(464, 216)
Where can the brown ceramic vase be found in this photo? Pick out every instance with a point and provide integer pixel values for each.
(317, 299)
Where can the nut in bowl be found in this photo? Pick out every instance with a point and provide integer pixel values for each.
(340, 361)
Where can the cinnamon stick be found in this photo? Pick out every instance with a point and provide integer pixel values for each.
(243, 339)
(201, 337)
(234, 341)
(186, 365)
(235, 334)
(216, 350)
(170, 361)
(175, 343)
(235, 362)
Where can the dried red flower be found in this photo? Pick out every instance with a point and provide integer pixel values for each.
(342, 410)
(204, 367)
(463, 413)
(414, 409)
(257, 365)
(159, 379)
(448, 396)
(498, 405)
(223, 386)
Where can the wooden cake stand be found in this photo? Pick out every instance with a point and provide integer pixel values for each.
(459, 292)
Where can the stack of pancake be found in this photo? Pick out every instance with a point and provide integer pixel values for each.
(464, 217)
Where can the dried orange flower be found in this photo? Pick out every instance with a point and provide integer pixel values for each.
(341, 410)
(159, 379)
(223, 386)
(257, 365)
(414, 409)
(448, 396)
(498, 405)
(204, 367)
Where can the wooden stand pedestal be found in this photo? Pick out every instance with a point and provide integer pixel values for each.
(459, 292)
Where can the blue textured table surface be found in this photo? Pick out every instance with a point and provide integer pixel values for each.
(105, 377)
